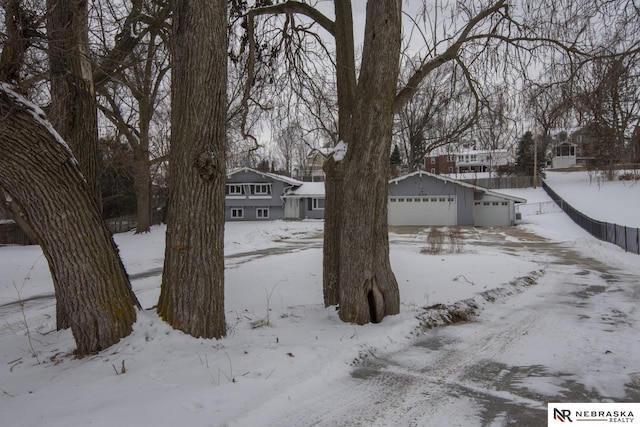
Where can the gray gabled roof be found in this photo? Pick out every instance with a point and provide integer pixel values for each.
(270, 175)
(316, 189)
(457, 182)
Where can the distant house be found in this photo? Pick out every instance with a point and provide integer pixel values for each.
(593, 143)
(564, 155)
(252, 195)
(466, 160)
(311, 168)
(423, 198)
(481, 160)
(440, 164)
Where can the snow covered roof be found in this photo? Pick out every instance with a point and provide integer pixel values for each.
(446, 151)
(462, 183)
(307, 189)
(316, 189)
(270, 175)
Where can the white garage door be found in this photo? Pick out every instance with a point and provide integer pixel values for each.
(491, 214)
(423, 210)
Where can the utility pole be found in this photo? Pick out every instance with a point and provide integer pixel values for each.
(535, 162)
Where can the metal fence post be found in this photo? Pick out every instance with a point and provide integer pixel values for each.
(626, 248)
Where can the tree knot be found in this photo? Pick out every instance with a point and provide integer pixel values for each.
(205, 162)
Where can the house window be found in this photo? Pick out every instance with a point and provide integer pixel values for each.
(450, 169)
(393, 200)
(433, 160)
(235, 190)
(505, 203)
(237, 213)
(318, 204)
(262, 213)
(260, 189)
(433, 170)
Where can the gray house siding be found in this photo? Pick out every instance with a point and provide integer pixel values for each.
(311, 212)
(419, 198)
(425, 185)
(254, 196)
(306, 200)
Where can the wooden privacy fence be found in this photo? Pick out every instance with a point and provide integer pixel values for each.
(628, 238)
(504, 181)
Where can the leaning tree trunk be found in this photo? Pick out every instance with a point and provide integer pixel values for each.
(41, 175)
(367, 287)
(192, 294)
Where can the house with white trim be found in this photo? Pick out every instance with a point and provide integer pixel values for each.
(252, 195)
(305, 201)
(420, 198)
(424, 198)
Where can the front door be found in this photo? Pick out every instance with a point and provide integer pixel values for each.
(292, 208)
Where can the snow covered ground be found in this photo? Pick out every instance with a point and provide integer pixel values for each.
(555, 318)
(603, 200)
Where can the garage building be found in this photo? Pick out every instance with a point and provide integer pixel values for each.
(423, 198)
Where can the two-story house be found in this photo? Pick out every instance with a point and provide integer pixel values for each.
(466, 160)
(253, 195)
(481, 160)
(440, 164)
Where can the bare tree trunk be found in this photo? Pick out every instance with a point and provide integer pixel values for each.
(73, 110)
(142, 184)
(40, 173)
(73, 107)
(19, 28)
(192, 295)
(331, 239)
(346, 86)
(367, 287)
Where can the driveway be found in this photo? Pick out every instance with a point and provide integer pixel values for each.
(518, 353)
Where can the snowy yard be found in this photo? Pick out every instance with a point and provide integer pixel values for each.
(556, 318)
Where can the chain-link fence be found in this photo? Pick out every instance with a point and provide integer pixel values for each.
(628, 238)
